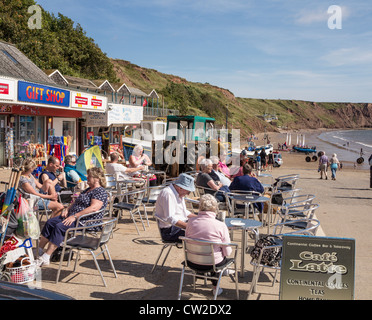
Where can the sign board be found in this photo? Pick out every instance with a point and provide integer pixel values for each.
(119, 114)
(88, 102)
(7, 89)
(40, 94)
(317, 268)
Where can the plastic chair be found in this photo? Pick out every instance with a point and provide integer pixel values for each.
(277, 239)
(89, 243)
(133, 202)
(166, 244)
(201, 252)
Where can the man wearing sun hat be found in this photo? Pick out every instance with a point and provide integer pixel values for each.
(171, 208)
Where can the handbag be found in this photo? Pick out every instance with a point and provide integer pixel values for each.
(270, 257)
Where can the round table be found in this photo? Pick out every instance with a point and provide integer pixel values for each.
(244, 225)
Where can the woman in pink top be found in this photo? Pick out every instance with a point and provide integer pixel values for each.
(205, 226)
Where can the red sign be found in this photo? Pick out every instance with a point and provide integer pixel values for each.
(4, 88)
(81, 100)
(96, 103)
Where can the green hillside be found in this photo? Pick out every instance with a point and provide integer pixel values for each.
(59, 44)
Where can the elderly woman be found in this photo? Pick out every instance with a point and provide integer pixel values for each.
(91, 200)
(138, 158)
(29, 184)
(205, 226)
(334, 164)
(207, 179)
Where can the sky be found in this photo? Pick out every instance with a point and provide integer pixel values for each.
(313, 50)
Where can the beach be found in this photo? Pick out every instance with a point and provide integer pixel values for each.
(345, 207)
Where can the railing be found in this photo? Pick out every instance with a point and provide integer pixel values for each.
(159, 112)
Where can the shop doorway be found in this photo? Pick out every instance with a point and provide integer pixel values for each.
(66, 127)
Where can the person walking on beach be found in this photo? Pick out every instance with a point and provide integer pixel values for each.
(370, 171)
(323, 164)
(334, 163)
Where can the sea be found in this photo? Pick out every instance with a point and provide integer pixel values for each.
(349, 145)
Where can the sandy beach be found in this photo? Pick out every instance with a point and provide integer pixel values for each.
(345, 211)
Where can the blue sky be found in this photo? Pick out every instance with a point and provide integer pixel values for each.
(278, 49)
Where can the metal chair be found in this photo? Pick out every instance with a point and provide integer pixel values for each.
(276, 201)
(149, 200)
(275, 248)
(132, 203)
(201, 252)
(166, 244)
(239, 207)
(296, 215)
(89, 243)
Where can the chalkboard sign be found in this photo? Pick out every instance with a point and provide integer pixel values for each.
(317, 268)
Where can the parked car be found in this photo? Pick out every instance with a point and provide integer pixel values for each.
(13, 291)
(278, 161)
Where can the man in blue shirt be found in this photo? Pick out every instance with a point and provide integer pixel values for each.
(58, 180)
(248, 182)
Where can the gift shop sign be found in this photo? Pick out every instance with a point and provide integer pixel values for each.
(317, 268)
(7, 89)
(86, 101)
(39, 94)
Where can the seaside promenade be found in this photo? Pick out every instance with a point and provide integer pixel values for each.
(345, 211)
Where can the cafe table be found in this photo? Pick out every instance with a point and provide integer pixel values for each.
(245, 225)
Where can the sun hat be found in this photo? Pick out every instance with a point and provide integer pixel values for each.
(185, 182)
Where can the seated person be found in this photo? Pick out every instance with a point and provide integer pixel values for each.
(92, 199)
(73, 176)
(171, 208)
(118, 170)
(207, 180)
(53, 174)
(206, 227)
(248, 182)
(29, 184)
(138, 158)
(222, 167)
(217, 171)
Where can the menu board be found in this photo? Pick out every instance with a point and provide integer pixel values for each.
(317, 268)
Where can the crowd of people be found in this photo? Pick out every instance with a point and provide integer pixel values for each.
(175, 219)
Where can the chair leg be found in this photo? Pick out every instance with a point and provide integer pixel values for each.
(218, 286)
(60, 264)
(166, 256)
(134, 221)
(181, 283)
(98, 268)
(109, 256)
(157, 260)
(236, 281)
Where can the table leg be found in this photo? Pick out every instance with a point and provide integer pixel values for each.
(243, 247)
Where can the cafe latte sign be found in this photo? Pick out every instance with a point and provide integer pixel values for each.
(317, 268)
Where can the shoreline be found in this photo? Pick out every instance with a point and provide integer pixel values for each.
(312, 139)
